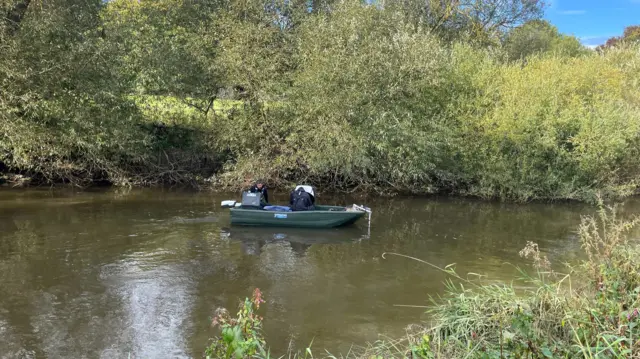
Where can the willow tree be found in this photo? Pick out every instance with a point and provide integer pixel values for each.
(165, 48)
(62, 107)
(476, 20)
(370, 96)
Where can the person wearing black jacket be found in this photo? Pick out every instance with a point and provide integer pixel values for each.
(300, 200)
(260, 187)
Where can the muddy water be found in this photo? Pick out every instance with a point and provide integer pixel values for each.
(116, 273)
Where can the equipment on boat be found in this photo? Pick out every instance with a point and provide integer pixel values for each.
(251, 199)
(230, 203)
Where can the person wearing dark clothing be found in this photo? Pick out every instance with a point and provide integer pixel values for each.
(300, 200)
(311, 195)
(260, 187)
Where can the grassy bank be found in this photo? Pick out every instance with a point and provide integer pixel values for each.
(591, 311)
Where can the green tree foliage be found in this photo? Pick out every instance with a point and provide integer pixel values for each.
(477, 20)
(400, 96)
(163, 48)
(370, 97)
(539, 36)
(60, 106)
(65, 105)
(257, 48)
(631, 35)
(554, 129)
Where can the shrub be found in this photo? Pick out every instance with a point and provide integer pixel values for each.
(241, 336)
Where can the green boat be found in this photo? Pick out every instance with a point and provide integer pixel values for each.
(321, 217)
(249, 213)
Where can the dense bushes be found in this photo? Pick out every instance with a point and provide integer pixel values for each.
(383, 106)
(387, 107)
(352, 97)
(555, 128)
(65, 109)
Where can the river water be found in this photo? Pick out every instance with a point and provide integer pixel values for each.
(113, 273)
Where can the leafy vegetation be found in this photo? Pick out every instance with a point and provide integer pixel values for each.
(590, 312)
(539, 36)
(468, 97)
(242, 336)
(630, 35)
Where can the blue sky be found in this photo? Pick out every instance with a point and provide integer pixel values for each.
(593, 21)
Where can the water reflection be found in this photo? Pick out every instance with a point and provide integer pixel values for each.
(152, 312)
(253, 240)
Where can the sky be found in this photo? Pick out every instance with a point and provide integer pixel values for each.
(593, 21)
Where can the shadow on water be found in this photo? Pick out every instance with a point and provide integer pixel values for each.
(300, 240)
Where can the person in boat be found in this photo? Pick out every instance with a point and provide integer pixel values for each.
(301, 200)
(260, 187)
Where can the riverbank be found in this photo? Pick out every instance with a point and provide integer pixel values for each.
(18, 181)
(592, 310)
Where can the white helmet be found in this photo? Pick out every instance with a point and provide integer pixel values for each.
(307, 189)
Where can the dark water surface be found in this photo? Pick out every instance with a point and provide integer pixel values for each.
(111, 273)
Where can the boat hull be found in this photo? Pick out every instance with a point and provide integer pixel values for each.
(322, 217)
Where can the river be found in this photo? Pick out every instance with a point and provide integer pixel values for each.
(112, 273)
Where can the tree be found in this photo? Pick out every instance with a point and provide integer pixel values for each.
(477, 19)
(164, 50)
(63, 107)
(539, 36)
(631, 34)
(369, 101)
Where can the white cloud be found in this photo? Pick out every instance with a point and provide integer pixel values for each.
(574, 12)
